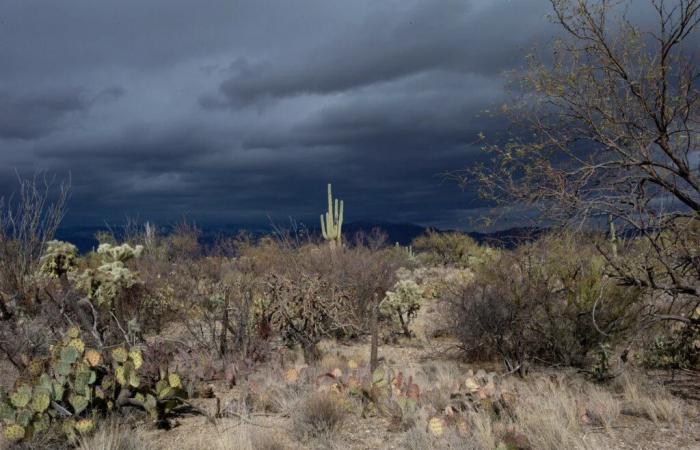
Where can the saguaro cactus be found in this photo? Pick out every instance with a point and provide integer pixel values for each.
(332, 221)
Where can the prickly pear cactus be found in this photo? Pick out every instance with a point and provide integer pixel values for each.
(78, 385)
(392, 396)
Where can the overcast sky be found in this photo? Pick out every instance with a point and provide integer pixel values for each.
(229, 111)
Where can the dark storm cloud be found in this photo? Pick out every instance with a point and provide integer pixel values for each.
(233, 111)
(446, 35)
(36, 114)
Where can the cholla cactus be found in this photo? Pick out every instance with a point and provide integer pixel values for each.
(402, 304)
(103, 284)
(59, 259)
(106, 282)
(121, 253)
(332, 221)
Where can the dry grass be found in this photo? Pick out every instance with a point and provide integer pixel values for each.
(549, 415)
(113, 436)
(320, 415)
(653, 402)
(483, 430)
(246, 437)
(602, 408)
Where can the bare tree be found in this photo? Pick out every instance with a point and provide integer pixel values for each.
(28, 219)
(609, 129)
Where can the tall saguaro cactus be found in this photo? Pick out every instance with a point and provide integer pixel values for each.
(332, 221)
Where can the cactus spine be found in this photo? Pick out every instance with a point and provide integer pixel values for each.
(332, 221)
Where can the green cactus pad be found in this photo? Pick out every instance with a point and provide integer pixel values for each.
(63, 368)
(41, 423)
(120, 355)
(93, 357)
(78, 402)
(14, 433)
(78, 344)
(40, 401)
(165, 393)
(161, 385)
(57, 390)
(24, 417)
(136, 357)
(7, 413)
(120, 375)
(73, 332)
(379, 378)
(69, 355)
(35, 367)
(174, 381)
(44, 383)
(134, 380)
(85, 426)
(21, 397)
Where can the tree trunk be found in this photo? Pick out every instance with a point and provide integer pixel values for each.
(374, 329)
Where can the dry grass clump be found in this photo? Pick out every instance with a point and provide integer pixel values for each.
(550, 414)
(602, 407)
(113, 435)
(246, 437)
(319, 415)
(653, 402)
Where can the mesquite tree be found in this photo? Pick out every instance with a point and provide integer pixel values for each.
(608, 128)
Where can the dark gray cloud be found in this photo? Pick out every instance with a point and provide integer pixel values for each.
(233, 111)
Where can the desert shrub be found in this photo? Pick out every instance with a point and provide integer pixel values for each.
(28, 220)
(315, 291)
(451, 249)
(306, 309)
(549, 302)
(675, 348)
(401, 305)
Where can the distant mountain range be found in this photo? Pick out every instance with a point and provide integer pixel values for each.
(403, 233)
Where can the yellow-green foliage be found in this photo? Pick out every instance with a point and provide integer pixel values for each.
(551, 300)
(121, 253)
(103, 284)
(59, 259)
(402, 303)
(452, 249)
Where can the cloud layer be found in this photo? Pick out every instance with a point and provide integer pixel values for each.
(232, 111)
